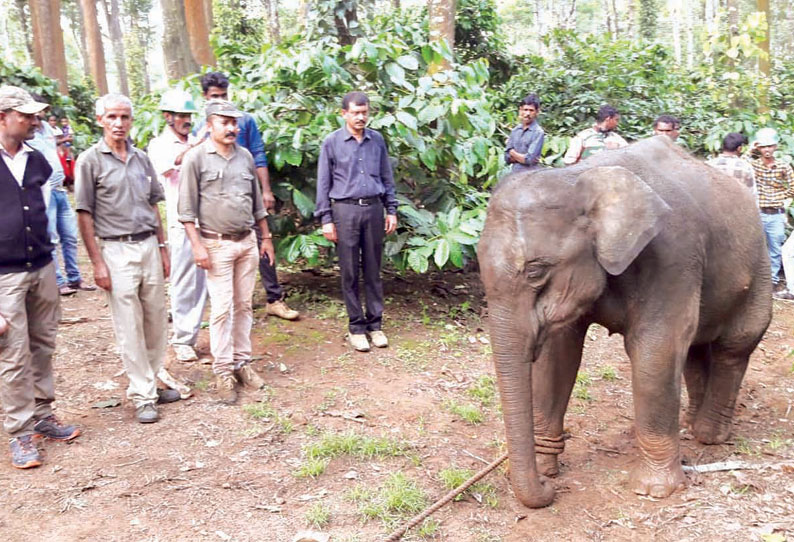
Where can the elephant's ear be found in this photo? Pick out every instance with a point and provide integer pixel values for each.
(624, 211)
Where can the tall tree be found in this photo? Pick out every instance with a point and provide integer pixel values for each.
(96, 51)
(649, 13)
(764, 61)
(346, 21)
(198, 30)
(22, 15)
(179, 61)
(441, 14)
(48, 49)
(273, 27)
(74, 12)
(137, 43)
(113, 17)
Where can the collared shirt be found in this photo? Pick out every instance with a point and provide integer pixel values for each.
(222, 193)
(44, 142)
(736, 167)
(18, 162)
(349, 169)
(119, 195)
(527, 141)
(589, 142)
(248, 136)
(774, 183)
(163, 151)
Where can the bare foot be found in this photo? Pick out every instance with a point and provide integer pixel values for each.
(656, 481)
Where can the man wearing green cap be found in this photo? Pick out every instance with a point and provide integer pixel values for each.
(219, 190)
(773, 180)
(188, 282)
(29, 301)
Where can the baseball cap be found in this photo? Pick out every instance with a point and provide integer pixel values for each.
(222, 108)
(19, 100)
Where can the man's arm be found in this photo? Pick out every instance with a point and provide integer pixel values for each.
(574, 151)
(390, 197)
(266, 246)
(510, 147)
(532, 156)
(322, 208)
(85, 222)
(256, 147)
(161, 243)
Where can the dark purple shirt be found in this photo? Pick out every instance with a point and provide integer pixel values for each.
(349, 169)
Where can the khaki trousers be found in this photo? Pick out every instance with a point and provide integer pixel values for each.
(137, 305)
(31, 304)
(230, 283)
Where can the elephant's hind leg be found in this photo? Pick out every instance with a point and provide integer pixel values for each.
(712, 422)
(554, 375)
(696, 375)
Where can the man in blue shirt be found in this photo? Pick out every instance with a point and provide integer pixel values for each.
(526, 140)
(215, 85)
(354, 186)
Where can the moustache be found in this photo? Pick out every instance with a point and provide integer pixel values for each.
(232, 134)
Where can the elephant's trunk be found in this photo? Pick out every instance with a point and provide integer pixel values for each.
(513, 347)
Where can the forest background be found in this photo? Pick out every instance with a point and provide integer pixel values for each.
(445, 78)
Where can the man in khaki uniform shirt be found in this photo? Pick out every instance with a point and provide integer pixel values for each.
(218, 187)
(116, 195)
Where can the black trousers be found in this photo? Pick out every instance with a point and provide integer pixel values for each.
(267, 271)
(360, 232)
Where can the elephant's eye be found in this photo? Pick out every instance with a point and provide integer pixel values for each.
(536, 270)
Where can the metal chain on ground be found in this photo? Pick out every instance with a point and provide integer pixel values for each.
(416, 520)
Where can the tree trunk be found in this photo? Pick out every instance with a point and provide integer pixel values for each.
(765, 60)
(395, 4)
(198, 30)
(675, 20)
(343, 24)
(608, 19)
(649, 12)
(616, 19)
(23, 20)
(179, 61)
(48, 50)
(732, 9)
(113, 18)
(690, 34)
(78, 29)
(441, 14)
(96, 51)
(273, 27)
(711, 17)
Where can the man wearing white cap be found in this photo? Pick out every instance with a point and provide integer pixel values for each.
(29, 300)
(220, 191)
(188, 282)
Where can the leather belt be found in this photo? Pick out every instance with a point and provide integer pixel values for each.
(357, 201)
(131, 238)
(225, 236)
(772, 210)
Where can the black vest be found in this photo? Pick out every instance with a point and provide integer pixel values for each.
(24, 240)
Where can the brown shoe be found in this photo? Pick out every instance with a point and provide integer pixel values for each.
(225, 385)
(80, 285)
(280, 309)
(248, 377)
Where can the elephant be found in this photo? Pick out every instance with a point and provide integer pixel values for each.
(651, 244)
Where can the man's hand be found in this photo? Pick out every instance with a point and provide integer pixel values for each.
(391, 223)
(102, 276)
(166, 262)
(266, 247)
(516, 157)
(201, 256)
(269, 201)
(329, 232)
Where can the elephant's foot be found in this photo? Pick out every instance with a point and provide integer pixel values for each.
(656, 480)
(709, 431)
(547, 464)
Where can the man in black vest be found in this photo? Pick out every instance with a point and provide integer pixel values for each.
(29, 298)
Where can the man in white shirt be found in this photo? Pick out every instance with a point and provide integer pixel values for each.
(188, 282)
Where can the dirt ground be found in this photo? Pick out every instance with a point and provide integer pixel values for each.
(276, 463)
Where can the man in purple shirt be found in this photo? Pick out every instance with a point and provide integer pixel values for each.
(354, 185)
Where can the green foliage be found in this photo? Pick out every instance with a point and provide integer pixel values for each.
(78, 106)
(649, 14)
(399, 497)
(318, 515)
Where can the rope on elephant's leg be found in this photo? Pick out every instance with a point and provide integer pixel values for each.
(416, 520)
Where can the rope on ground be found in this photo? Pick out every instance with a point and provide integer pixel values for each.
(416, 520)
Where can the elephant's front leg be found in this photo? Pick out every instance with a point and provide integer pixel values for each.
(657, 360)
(554, 378)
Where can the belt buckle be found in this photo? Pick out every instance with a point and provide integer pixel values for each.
(127, 238)
(363, 203)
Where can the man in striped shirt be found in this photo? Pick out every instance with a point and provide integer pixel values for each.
(773, 180)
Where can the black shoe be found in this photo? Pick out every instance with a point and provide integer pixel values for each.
(51, 427)
(147, 413)
(167, 396)
(24, 454)
(80, 285)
